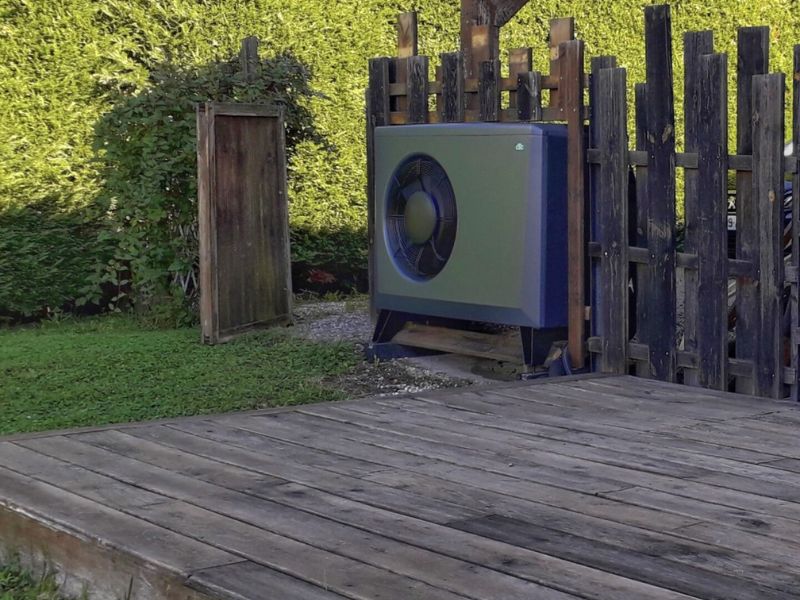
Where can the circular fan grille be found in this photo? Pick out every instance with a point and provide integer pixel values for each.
(420, 217)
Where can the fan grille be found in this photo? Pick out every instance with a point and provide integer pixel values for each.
(421, 179)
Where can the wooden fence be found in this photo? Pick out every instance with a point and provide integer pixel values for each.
(468, 87)
(752, 346)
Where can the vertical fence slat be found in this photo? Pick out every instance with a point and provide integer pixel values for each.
(753, 59)
(660, 293)
(710, 214)
(520, 60)
(407, 35)
(453, 87)
(529, 96)
(489, 90)
(561, 30)
(695, 45)
(768, 135)
(794, 328)
(641, 286)
(571, 84)
(612, 204)
(248, 57)
(483, 47)
(377, 116)
(595, 273)
(417, 70)
(407, 45)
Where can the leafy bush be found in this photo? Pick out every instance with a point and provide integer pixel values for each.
(45, 256)
(147, 145)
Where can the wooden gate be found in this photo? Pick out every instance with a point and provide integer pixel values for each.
(245, 275)
(744, 333)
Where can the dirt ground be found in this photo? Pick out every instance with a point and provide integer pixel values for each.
(348, 321)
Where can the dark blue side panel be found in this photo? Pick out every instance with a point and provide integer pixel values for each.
(555, 268)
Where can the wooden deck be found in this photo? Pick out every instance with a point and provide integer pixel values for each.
(597, 488)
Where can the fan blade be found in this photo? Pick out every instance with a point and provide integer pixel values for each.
(432, 244)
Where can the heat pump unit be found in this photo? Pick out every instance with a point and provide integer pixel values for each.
(471, 222)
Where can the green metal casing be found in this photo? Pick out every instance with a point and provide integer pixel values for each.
(508, 264)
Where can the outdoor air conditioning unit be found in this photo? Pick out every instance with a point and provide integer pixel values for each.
(471, 224)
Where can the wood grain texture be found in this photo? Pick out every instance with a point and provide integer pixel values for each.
(642, 271)
(417, 99)
(248, 57)
(520, 60)
(244, 220)
(752, 59)
(768, 140)
(571, 86)
(489, 91)
(377, 115)
(453, 102)
(407, 36)
(478, 45)
(582, 487)
(794, 324)
(612, 199)
(695, 45)
(710, 212)
(561, 30)
(660, 293)
(592, 205)
(529, 96)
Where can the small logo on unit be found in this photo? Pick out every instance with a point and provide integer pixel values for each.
(519, 147)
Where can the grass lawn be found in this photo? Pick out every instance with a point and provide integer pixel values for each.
(114, 370)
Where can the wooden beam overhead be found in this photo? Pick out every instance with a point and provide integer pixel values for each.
(504, 10)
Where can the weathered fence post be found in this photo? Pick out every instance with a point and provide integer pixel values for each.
(695, 45)
(612, 206)
(407, 47)
(794, 327)
(248, 57)
(453, 87)
(520, 60)
(571, 84)
(417, 89)
(377, 116)
(768, 136)
(641, 217)
(660, 293)
(710, 217)
(529, 96)
(595, 272)
(753, 59)
(489, 90)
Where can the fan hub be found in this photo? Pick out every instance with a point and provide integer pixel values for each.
(420, 217)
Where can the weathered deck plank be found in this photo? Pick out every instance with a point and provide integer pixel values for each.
(594, 488)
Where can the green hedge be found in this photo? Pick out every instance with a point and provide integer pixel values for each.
(59, 61)
(46, 255)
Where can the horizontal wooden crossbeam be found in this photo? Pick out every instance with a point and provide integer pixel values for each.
(689, 160)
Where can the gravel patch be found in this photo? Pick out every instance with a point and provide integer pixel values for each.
(339, 321)
(349, 321)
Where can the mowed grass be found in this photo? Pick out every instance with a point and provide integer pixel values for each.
(114, 370)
